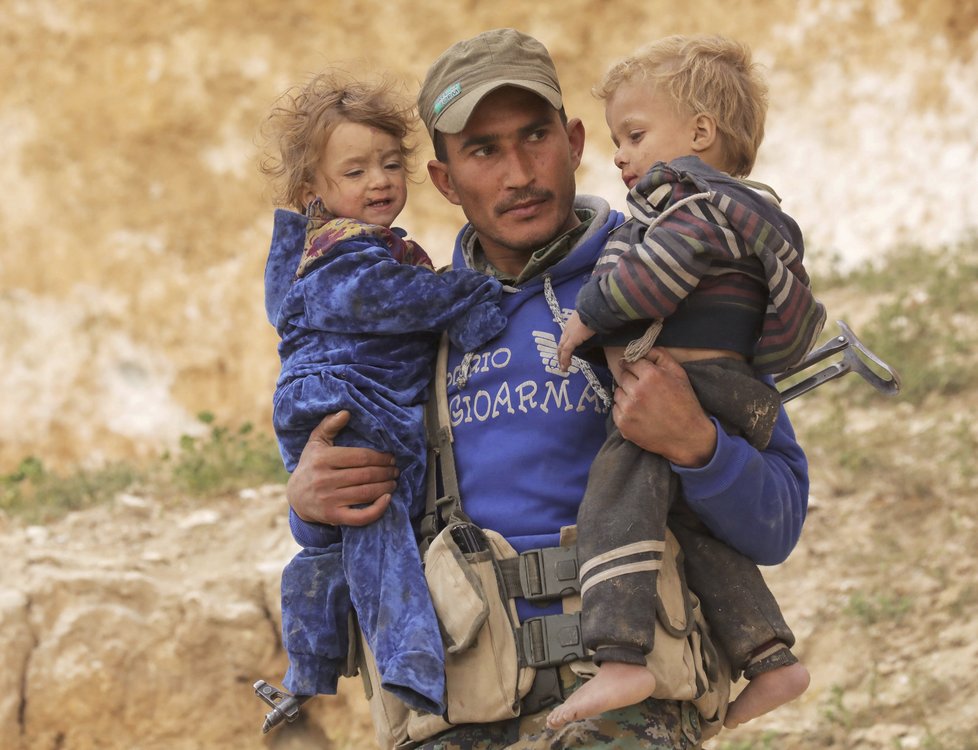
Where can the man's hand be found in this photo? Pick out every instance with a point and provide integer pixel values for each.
(657, 409)
(575, 333)
(329, 480)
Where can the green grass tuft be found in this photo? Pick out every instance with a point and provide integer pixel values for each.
(924, 327)
(224, 460)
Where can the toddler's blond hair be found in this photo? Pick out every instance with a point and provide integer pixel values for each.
(303, 119)
(704, 74)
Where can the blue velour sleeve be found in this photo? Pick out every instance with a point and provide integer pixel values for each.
(362, 289)
(309, 534)
(755, 501)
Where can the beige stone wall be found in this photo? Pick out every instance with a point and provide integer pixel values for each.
(134, 222)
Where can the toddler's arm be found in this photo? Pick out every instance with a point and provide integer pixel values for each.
(362, 289)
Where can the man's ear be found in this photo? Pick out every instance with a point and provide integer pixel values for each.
(704, 132)
(575, 136)
(441, 179)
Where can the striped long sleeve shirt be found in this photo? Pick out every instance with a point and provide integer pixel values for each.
(692, 226)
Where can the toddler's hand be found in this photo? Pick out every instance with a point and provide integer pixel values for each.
(575, 333)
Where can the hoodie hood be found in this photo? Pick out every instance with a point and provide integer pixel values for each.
(580, 259)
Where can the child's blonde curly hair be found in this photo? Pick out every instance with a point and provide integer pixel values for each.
(304, 117)
(704, 74)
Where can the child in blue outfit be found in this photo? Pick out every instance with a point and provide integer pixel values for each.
(359, 310)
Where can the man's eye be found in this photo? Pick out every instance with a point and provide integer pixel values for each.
(482, 151)
(538, 135)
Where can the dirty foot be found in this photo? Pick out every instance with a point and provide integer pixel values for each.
(766, 692)
(616, 685)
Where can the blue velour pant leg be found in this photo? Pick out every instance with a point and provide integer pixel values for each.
(390, 595)
(315, 619)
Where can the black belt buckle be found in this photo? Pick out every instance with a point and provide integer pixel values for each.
(549, 573)
(551, 640)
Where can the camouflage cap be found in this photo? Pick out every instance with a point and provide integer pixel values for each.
(468, 70)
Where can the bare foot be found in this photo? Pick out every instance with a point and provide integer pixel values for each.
(766, 692)
(616, 685)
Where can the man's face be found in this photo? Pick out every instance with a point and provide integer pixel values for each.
(512, 171)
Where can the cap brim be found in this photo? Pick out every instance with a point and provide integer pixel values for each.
(457, 114)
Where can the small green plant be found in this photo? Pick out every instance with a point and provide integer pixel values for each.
(36, 494)
(834, 710)
(222, 460)
(225, 459)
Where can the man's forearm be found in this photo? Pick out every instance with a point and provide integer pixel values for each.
(755, 501)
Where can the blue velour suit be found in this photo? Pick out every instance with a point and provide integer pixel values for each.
(359, 311)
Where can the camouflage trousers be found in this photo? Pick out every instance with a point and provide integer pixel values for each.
(652, 724)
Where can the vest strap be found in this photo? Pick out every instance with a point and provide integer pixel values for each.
(542, 574)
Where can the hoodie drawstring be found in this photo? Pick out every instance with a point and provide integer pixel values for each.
(585, 368)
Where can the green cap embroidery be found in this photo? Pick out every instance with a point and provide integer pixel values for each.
(447, 96)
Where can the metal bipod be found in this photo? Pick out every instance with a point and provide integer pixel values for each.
(855, 358)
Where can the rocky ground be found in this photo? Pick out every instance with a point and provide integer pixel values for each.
(144, 623)
(139, 625)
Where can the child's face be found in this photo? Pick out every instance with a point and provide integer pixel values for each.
(647, 128)
(361, 175)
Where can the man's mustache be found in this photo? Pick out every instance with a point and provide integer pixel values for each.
(523, 196)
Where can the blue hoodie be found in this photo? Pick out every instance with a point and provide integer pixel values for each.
(526, 433)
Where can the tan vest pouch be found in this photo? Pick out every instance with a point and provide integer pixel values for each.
(484, 680)
(684, 661)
